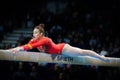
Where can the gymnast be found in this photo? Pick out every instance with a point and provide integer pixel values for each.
(45, 44)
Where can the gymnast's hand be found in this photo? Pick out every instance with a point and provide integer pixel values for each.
(15, 50)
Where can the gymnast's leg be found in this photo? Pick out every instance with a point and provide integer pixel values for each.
(74, 51)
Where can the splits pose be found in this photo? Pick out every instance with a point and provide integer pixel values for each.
(46, 45)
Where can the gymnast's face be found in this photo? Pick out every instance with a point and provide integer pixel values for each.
(36, 33)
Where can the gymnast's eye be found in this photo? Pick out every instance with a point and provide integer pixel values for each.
(36, 32)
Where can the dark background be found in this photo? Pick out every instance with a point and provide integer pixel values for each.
(72, 19)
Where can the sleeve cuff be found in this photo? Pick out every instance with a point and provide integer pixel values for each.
(27, 47)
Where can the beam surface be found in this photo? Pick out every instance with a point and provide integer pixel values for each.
(50, 58)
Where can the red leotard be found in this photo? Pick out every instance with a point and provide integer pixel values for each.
(50, 46)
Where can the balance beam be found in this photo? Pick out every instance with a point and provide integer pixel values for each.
(44, 57)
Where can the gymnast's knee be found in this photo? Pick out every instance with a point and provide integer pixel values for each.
(85, 51)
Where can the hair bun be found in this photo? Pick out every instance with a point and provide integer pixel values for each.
(41, 26)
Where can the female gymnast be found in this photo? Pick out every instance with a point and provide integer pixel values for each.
(41, 42)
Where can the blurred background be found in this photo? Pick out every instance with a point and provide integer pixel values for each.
(87, 24)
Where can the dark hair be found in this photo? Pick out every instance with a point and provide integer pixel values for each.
(41, 28)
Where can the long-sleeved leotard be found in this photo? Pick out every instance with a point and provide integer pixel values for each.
(50, 46)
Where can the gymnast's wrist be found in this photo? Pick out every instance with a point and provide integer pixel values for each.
(20, 48)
